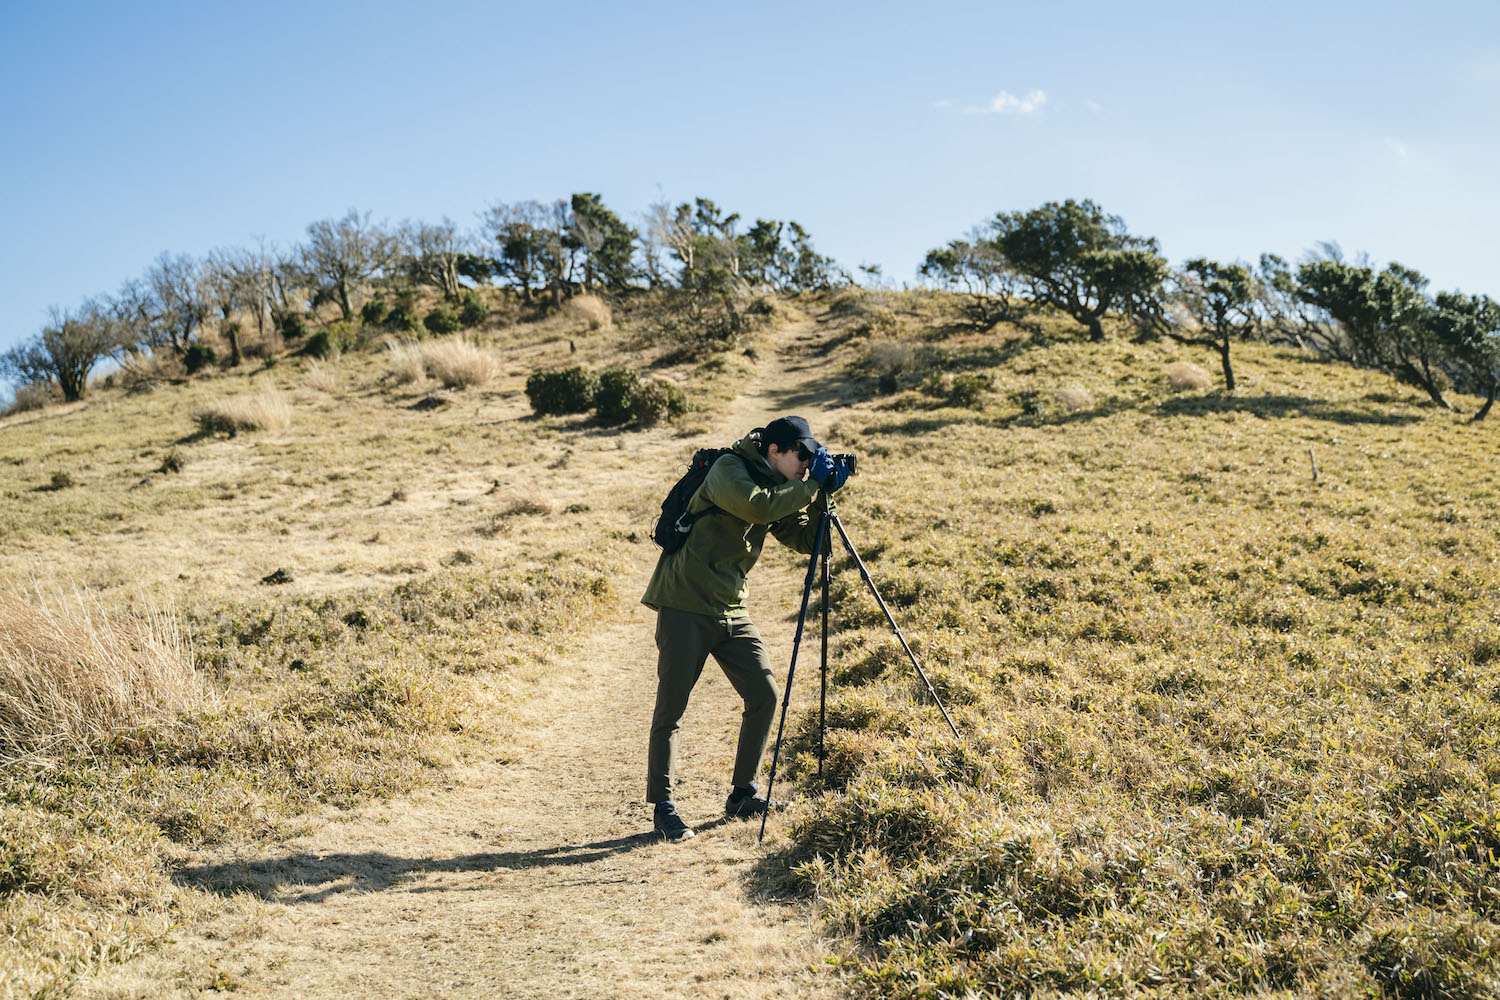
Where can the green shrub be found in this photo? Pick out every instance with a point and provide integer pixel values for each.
(293, 326)
(616, 387)
(474, 311)
(442, 320)
(321, 345)
(375, 311)
(569, 390)
(402, 319)
(198, 356)
(653, 402)
(969, 388)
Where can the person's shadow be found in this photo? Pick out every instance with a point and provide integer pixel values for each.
(312, 878)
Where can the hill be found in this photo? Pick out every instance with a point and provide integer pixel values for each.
(1224, 665)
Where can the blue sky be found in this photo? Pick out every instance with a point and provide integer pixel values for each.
(886, 129)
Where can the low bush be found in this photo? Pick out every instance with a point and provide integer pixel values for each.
(31, 396)
(442, 320)
(292, 326)
(969, 388)
(402, 319)
(264, 411)
(474, 310)
(375, 311)
(198, 356)
(568, 390)
(653, 402)
(613, 400)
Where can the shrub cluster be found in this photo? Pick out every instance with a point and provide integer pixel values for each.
(618, 395)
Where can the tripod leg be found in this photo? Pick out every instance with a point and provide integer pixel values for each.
(827, 544)
(865, 573)
(791, 670)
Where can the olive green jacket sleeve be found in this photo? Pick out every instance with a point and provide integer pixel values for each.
(708, 574)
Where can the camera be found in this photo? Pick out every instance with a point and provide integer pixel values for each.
(845, 462)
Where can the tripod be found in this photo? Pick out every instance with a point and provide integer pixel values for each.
(822, 548)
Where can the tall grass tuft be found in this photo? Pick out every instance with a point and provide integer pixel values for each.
(266, 410)
(322, 376)
(406, 361)
(592, 310)
(73, 674)
(458, 363)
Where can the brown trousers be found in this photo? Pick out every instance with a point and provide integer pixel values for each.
(684, 641)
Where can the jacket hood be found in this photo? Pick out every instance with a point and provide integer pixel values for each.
(759, 467)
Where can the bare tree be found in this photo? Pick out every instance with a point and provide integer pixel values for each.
(66, 350)
(432, 254)
(178, 287)
(345, 253)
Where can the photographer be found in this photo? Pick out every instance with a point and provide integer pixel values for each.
(769, 480)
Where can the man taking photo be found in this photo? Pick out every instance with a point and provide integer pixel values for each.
(767, 482)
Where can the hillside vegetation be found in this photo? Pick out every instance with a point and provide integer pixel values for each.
(1225, 664)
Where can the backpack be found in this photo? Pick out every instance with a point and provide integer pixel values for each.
(671, 528)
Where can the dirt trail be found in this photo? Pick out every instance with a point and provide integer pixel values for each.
(531, 872)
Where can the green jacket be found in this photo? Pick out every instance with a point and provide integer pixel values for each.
(707, 575)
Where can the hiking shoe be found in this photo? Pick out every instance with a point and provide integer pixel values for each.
(669, 825)
(744, 803)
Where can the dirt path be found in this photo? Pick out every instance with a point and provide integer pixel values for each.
(531, 871)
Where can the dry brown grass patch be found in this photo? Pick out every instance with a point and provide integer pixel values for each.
(1183, 375)
(266, 410)
(322, 376)
(406, 364)
(73, 673)
(592, 310)
(459, 363)
(1073, 398)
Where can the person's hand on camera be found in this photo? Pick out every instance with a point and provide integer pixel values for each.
(829, 474)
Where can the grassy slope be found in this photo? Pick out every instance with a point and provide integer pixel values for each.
(439, 559)
(1227, 728)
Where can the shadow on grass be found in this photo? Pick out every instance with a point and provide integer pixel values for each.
(1281, 406)
(312, 878)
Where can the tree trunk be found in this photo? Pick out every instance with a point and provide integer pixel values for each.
(1224, 360)
(344, 299)
(1489, 398)
(1096, 329)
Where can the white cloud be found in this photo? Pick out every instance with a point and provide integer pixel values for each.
(1006, 103)
(1399, 149)
(944, 103)
(1094, 106)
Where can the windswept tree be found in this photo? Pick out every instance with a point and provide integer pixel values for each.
(1468, 328)
(1287, 318)
(67, 350)
(607, 243)
(975, 268)
(1218, 303)
(518, 233)
(1386, 316)
(434, 255)
(229, 278)
(1082, 261)
(345, 253)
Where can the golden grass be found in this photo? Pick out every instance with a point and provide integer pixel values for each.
(266, 410)
(1186, 375)
(74, 675)
(405, 364)
(591, 310)
(322, 376)
(459, 363)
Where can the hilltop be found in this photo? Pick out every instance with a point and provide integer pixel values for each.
(1224, 664)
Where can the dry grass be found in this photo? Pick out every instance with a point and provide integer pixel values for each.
(266, 410)
(73, 675)
(405, 363)
(33, 396)
(591, 310)
(1073, 399)
(322, 376)
(1184, 375)
(459, 363)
